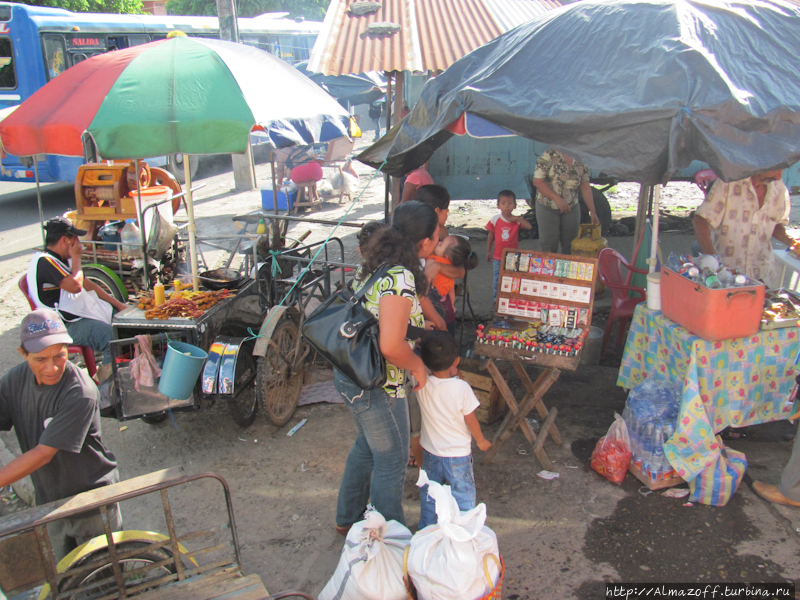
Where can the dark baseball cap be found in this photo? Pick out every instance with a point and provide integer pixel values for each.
(60, 225)
(41, 329)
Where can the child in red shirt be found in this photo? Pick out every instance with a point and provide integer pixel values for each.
(503, 231)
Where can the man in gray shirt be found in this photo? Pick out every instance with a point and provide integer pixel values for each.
(54, 409)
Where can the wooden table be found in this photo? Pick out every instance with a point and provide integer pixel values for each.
(517, 416)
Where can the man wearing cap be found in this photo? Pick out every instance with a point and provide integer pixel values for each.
(53, 407)
(55, 280)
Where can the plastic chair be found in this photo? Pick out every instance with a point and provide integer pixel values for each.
(85, 351)
(609, 266)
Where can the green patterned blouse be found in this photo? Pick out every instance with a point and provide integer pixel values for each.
(398, 281)
(565, 179)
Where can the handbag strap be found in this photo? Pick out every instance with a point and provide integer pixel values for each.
(379, 273)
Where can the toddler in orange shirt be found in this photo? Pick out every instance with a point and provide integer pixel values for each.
(452, 250)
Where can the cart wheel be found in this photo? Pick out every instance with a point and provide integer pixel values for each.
(106, 282)
(277, 389)
(103, 571)
(244, 405)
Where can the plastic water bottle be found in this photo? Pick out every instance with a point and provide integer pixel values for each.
(647, 447)
(669, 430)
(131, 239)
(657, 464)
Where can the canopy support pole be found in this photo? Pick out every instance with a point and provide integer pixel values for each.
(387, 180)
(142, 232)
(396, 110)
(641, 210)
(187, 173)
(276, 229)
(654, 238)
(39, 198)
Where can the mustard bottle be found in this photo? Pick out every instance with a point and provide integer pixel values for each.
(262, 228)
(176, 285)
(159, 294)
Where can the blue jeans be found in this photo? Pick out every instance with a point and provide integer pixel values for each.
(375, 470)
(455, 472)
(95, 334)
(496, 266)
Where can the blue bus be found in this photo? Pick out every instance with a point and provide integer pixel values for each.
(38, 43)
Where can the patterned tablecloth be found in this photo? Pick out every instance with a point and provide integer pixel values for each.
(732, 383)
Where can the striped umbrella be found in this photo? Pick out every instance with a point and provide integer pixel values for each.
(177, 96)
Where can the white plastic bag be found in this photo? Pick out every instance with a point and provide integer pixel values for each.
(371, 565)
(446, 560)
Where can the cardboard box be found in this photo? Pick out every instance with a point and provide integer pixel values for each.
(713, 315)
(268, 204)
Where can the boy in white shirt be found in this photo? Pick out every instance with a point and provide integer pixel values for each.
(448, 425)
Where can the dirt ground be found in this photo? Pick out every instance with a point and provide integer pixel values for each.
(563, 538)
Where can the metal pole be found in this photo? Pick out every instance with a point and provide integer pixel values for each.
(39, 198)
(654, 238)
(142, 232)
(187, 173)
(276, 230)
(387, 181)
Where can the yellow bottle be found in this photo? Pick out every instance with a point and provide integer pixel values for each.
(262, 228)
(176, 284)
(158, 294)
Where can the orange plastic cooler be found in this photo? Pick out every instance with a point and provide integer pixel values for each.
(711, 314)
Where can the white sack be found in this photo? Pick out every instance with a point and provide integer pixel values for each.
(371, 565)
(446, 560)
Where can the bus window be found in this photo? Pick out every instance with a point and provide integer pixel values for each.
(8, 77)
(54, 53)
(78, 57)
(115, 42)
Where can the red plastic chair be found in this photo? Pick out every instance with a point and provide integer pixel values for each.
(85, 351)
(609, 266)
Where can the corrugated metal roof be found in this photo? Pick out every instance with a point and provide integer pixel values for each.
(433, 34)
(510, 13)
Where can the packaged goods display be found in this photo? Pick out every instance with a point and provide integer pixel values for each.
(543, 309)
(781, 309)
(651, 413)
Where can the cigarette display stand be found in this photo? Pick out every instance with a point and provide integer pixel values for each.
(542, 316)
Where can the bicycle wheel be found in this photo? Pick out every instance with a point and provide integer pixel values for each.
(244, 404)
(139, 561)
(277, 388)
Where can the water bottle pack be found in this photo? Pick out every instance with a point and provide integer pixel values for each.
(651, 413)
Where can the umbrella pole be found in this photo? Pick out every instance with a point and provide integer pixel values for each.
(654, 238)
(190, 213)
(142, 232)
(39, 198)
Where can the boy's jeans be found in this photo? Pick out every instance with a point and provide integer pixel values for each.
(496, 265)
(375, 470)
(455, 472)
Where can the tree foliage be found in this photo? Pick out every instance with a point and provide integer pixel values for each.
(313, 10)
(96, 6)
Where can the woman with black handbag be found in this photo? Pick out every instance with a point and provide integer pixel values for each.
(375, 469)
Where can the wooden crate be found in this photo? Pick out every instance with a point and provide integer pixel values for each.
(654, 485)
(492, 405)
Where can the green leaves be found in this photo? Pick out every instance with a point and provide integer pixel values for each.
(313, 10)
(96, 6)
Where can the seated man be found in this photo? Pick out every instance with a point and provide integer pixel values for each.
(53, 407)
(59, 269)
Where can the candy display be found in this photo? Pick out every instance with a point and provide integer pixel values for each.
(548, 339)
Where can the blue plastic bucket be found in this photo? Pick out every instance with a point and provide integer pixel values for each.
(182, 367)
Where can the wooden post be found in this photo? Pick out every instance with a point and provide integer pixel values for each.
(641, 211)
(387, 181)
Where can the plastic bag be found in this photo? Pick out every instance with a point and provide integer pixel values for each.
(612, 455)
(446, 560)
(144, 369)
(371, 565)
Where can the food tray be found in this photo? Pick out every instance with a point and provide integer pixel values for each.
(779, 323)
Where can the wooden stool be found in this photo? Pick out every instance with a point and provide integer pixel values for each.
(518, 413)
(307, 196)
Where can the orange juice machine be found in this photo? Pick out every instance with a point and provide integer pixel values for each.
(102, 191)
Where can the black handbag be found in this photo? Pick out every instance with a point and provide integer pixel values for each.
(345, 334)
